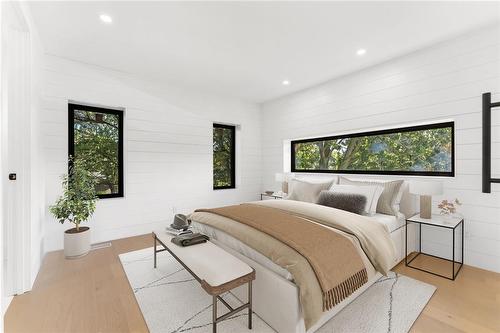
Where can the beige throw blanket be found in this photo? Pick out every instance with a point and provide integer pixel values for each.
(334, 259)
(371, 239)
(374, 239)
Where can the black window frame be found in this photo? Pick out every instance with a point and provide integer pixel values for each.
(71, 140)
(381, 132)
(233, 156)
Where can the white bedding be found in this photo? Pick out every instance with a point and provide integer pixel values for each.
(238, 246)
(391, 223)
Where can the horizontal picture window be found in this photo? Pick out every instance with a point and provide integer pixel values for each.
(426, 150)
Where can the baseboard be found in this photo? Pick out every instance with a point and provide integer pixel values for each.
(105, 235)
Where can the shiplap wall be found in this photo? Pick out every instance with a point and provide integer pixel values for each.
(167, 148)
(439, 83)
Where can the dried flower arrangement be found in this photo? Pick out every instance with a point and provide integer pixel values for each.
(449, 207)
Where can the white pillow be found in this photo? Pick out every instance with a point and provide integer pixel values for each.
(372, 194)
(301, 190)
(390, 199)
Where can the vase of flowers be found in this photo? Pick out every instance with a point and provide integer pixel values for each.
(448, 208)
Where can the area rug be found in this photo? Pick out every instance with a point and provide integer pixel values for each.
(171, 300)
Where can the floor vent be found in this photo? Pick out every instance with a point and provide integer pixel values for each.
(98, 246)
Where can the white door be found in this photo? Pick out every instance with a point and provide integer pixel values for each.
(15, 145)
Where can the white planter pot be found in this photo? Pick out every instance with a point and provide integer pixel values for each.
(76, 244)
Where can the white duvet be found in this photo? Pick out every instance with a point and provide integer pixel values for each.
(391, 223)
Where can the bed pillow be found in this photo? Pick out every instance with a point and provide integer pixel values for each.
(372, 194)
(388, 202)
(289, 186)
(351, 202)
(301, 190)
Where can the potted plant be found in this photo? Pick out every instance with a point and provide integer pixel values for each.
(76, 205)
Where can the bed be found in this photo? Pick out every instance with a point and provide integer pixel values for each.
(277, 299)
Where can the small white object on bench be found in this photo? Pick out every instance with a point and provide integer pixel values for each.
(217, 271)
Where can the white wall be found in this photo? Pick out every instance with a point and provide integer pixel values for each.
(442, 82)
(167, 148)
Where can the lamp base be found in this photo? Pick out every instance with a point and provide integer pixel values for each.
(425, 206)
(284, 187)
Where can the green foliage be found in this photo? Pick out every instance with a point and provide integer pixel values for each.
(96, 144)
(78, 201)
(222, 148)
(424, 150)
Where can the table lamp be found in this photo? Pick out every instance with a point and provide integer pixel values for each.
(426, 190)
(281, 178)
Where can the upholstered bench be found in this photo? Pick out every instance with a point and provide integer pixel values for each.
(216, 270)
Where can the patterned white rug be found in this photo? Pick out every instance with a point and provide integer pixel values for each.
(172, 301)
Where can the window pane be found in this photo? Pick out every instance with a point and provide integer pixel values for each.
(223, 150)
(419, 151)
(97, 143)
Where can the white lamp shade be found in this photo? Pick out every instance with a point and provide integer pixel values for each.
(279, 177)
(426, 188)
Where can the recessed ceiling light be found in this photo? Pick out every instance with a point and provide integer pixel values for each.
(106, 18)
(285, 82)
(360, 52)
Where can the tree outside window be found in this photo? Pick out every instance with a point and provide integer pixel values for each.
(421, 150)
(96, 139)
(223, 156)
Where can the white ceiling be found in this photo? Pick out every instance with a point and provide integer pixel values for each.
(246, 49)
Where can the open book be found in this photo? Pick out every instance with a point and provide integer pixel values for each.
(177, 232)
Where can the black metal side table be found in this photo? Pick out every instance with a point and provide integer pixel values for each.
(437, 221)
(262, 195)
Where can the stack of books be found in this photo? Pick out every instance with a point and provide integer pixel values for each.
(178, 232)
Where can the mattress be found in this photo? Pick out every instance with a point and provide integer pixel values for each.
(391, 222)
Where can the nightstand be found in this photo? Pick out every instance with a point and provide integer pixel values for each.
(437, 221)
(262, 195)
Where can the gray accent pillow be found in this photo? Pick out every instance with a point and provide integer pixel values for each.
(351, 202)
(387, 203)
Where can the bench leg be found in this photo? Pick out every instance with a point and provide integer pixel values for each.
(250, 305)
(154, 250)
(214, 314)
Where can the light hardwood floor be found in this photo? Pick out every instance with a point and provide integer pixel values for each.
(92, 294)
